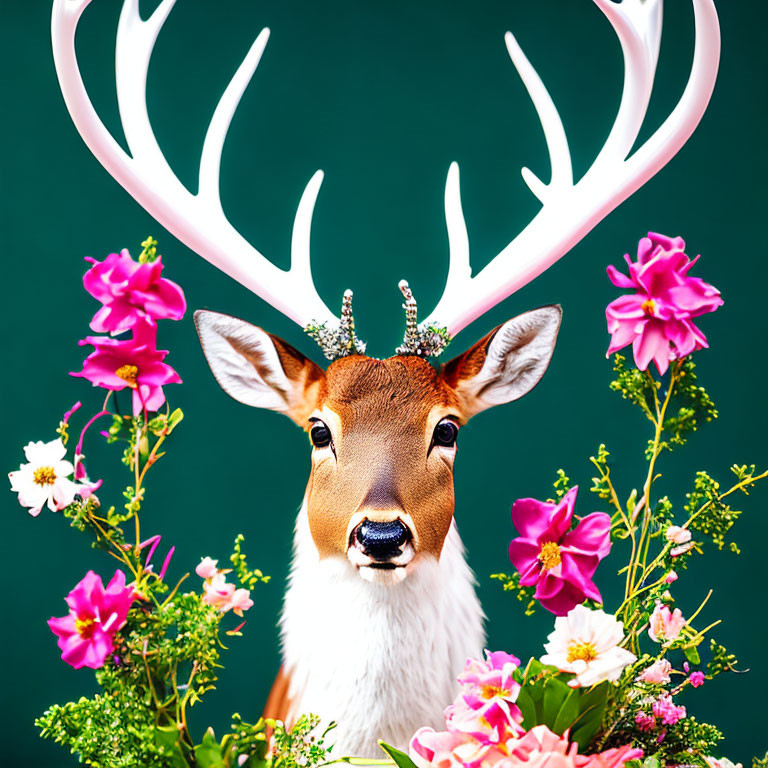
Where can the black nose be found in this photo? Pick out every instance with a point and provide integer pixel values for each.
(382, 541)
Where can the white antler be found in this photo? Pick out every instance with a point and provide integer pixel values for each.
(570, 210)
(196, 219)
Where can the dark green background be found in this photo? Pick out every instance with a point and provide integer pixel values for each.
(382, 96)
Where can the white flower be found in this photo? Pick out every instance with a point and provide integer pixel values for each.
(586, 643)
(45, 479)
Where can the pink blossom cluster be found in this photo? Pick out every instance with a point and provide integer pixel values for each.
(657, 319)
(559, 559)
(133, 296)
(484, 728)
(218, 591)
(86, 634)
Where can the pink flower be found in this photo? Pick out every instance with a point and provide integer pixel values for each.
(239, 602)
(677, 535)
(645, 722)
(658, 318)
(696, 679)
(667, 710)
(207, 568)
(218, 591)
(558, 560)
(86, 634)
(657, 673)
(135, 363)
(485, 707)
(665, 625)
(131, 292)
(446, 749)
(671, 577)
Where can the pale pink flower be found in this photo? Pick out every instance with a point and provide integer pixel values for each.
(136, 363)
(665, 709)
(671, 577)
(677, 535)
(447, 749)
(207, 569)
(658, 673)
(45, 479)
(86, 634)
(658, 318)
(682, 549)
(696, 679)
(665, 625)
(218, 591)
(131, 292)
(239, 601)
(559, 560)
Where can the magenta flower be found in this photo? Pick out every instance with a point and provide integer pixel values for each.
(558, 560)
(131, 292)
(696, 679)
(665, 709)
(136, 363)
(86, 634)
(658, 318)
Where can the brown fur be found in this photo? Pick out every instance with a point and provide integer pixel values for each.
(279, 702)
(383, 467)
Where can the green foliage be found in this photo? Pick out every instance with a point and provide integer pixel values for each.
(302, 746)
(636, 386)
(247, 578)
(708, 512)
(693, 405)
(601, 485)
(760, 762)
(545, 698)
(523, 594)
(722, 660)
(562, 485)
(400, 759)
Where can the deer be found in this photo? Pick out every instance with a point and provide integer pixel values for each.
(381, 608)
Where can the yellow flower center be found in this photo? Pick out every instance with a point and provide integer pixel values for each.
(549, 555)
(128, 373)
(649, 307)
(84, 627)
(44, 476)
(581, 652)
(489, 691)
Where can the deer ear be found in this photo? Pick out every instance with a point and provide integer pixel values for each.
(258, 369)
(507, 363)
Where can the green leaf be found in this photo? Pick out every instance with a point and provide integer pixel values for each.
(555, 694)
(208, 752)
(569, 712)
(174, 419)
(527, 706)
(651, 762)
(401, 759)
(692, 654)
(167, 737)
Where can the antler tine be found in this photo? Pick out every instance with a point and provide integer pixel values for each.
(195, 219)
(570, 210)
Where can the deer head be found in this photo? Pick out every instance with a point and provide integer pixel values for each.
(383, 432)
(399, 489)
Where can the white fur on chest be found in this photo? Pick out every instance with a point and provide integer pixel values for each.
(379, 659)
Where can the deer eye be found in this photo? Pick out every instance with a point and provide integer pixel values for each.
(319, 434)
(445, 433)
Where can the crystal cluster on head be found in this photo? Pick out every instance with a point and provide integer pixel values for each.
(427, 340)
(340, 341)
